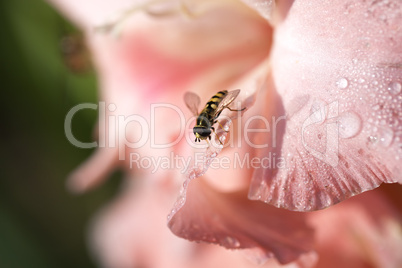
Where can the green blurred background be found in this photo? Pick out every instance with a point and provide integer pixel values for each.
(42, 77)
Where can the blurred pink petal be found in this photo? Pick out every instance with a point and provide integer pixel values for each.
(87, 176)
(363, 231)
(131, 232)
(148, 63)
(337, 68)
(233, 221)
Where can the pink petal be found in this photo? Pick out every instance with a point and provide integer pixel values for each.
(150, 63)
(206, 211)
(132, 232)
(233, 221)
(337, 68)
(363, 231)
(93, 170)
(221, 43)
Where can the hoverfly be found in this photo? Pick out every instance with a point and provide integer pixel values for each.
(209, 115)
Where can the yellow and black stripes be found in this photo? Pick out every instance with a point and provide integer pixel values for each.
(212, 105)
(209, 115)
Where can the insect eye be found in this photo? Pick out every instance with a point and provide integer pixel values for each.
(204, 132)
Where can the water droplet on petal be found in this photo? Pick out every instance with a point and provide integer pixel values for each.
(342, 83)
(191, 175)
(383, 137)
(350, 124)
(386, 135)
(378, 106)
(372, 140)
(231, 242)
(394, 88)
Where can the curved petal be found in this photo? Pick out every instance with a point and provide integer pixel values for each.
(233, 221)
(149, 63)
(215, 48)
(340, 83)
(132, 232)
(206, 211)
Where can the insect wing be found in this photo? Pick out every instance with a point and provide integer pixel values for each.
(192, 102)
(227, 100)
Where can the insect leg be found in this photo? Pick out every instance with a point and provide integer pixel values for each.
(216, 136)
(216, 121)
(233, 110)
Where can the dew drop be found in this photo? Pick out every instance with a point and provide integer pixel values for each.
(383, 137)
(192, 175)
(231, 242)
(361, 80)
(342, 83)
(350, 124)
(386, 136)
(181, 201)
(376, 107)
(372, 140)
(394, 88)
(393, 122)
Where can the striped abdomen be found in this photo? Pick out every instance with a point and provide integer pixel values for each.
(208, 113)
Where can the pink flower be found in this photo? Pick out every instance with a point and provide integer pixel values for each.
(325, 78)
